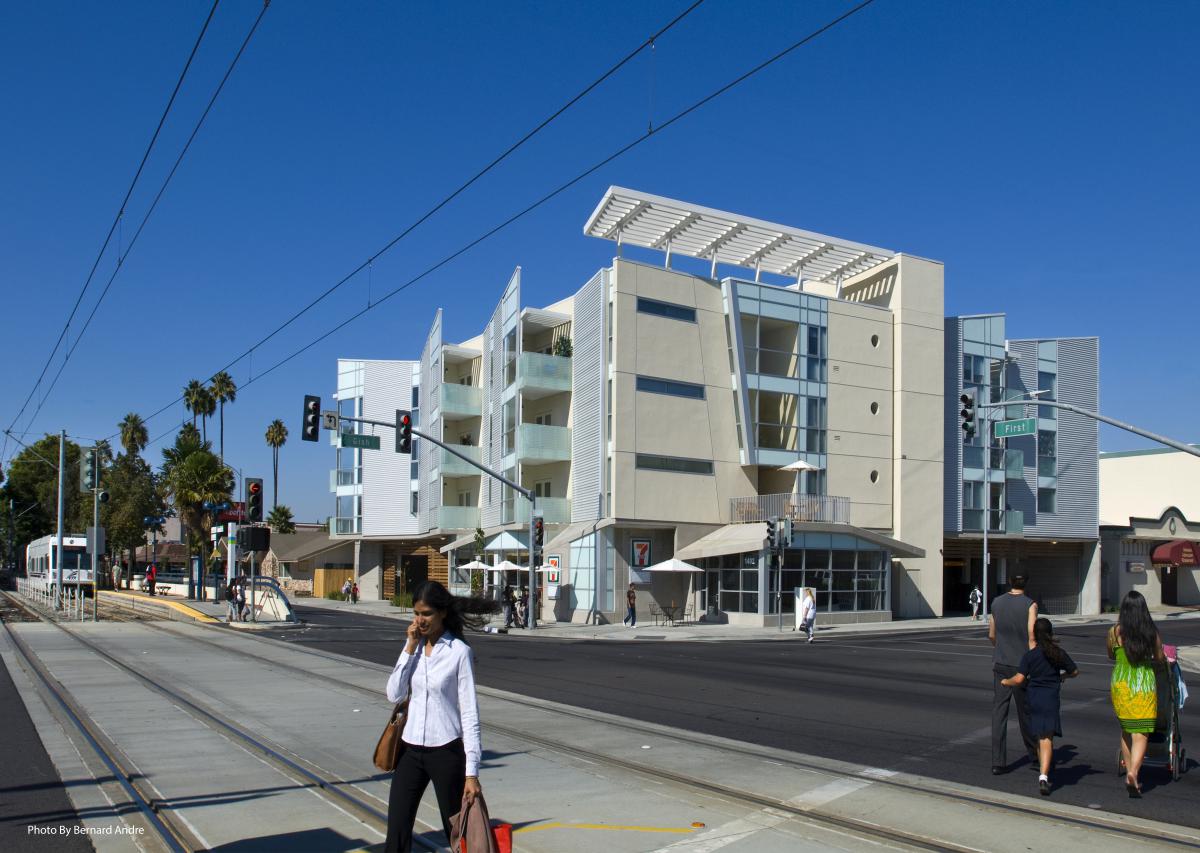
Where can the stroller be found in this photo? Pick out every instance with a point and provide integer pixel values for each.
(1165, 747)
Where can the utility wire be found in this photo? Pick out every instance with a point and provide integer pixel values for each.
(367, 264)
(157, 198)
(120, 213)
(557, 191)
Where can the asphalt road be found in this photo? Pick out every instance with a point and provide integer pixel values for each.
(918, 703)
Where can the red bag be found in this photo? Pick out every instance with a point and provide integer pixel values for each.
(471, 820)
(502, 832)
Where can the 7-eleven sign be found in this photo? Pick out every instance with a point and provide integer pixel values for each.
(641, 553)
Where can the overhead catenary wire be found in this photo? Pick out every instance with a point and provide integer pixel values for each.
(117, 218)
(556, 191)
(500, 158)
(158, 197)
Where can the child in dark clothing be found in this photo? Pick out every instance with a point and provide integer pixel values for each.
(1045, 667)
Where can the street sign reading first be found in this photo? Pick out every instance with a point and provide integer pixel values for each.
(363, 442)
(1011, 429)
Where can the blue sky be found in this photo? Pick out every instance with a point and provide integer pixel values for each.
(1046, 153)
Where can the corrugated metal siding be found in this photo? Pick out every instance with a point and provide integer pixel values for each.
(493, 408)
(952, 469)
(1078, 441)
(387, 386)
(430, 494)
(587, 396)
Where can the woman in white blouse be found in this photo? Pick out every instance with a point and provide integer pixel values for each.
(441, 734)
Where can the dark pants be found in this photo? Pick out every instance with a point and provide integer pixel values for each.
(446, 767)
(1001, 697)
(631, 615)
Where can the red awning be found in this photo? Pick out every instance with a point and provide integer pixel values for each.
(1181, 552)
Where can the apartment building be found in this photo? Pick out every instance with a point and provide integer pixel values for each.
(1038, 493)
(721, 372)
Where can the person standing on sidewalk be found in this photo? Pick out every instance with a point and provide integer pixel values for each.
(436, 671)
(630, 607)
(975, 599)
(1010, 630)
(354, 593)
(151, 577)
(808, 612)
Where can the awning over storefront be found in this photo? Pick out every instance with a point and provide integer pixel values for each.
(1180, 552)
(730, 539)
(741, 538)
(575, 531)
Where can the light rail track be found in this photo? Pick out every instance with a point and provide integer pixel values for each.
(1000, 802)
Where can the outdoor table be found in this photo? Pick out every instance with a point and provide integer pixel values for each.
(671, 613)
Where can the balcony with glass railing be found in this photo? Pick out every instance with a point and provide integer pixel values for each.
(343, 526)
(540, 443)
(555, 510)
(461, 401)
(1011, 521)
(451, 466)
(458, 517)
(543, 374)
(771, 362)
(338, 477)
(1047, 466)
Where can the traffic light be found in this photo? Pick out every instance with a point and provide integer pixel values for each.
(772, 530)
(539, 532)
(403, 431)
(967, 413)
(88, 475)
(311, 428)
(254, 500)
(103, 497)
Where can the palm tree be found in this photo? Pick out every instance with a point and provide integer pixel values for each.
(280, 519)
(207, 407)
(197, 479)
(224, 389)
(276, 438)
(193, 396)
(134, 436)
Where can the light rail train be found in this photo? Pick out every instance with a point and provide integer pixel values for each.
(46, 572)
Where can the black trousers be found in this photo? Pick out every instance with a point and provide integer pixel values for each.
(1001, 696)
(446, 767)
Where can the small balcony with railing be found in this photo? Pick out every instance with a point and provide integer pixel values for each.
(1002, 521)
(539, 375)
(541, 443)
(554, 510)
(450, 465)
(340, 477)
(461, 401)
(1011, 462)
(344, 526)
(458, 517)
(798, 507)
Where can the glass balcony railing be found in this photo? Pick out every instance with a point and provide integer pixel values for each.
(555, 510)
(1014, 464)
(458, 517)
(451, 466)
(344, 478)
(538, 443)
(343, 526)
(793, 505)
(544, 372)
(461, 401)
(1002, 521)
(1047, 466)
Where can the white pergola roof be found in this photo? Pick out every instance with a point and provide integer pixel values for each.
(654, 222)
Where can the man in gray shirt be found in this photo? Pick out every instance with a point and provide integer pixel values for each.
(1010, 628)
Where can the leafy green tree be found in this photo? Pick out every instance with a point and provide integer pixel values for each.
(32, 487)
(276, 438)
(280, 519)
(134, 496)
(224, 390)
(192, 476)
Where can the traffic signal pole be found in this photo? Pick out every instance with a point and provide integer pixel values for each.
(58, 554)
(528, 494)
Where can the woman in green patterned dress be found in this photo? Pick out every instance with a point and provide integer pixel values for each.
(1134, 643)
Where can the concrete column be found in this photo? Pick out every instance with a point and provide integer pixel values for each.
(1089, 579)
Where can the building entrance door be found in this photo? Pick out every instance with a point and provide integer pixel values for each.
(1170, 584)
(414, 570)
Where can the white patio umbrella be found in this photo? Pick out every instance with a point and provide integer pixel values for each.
(799, 466)
(677, 567)
(475, 565)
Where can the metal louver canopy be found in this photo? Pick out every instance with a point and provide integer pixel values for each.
(654, 222)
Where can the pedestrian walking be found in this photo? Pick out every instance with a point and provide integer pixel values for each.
(151, 577)
(436, 671)
(523, 606)
(346, 588)
(630, 607)
(807, 616)
(508, 599)
(975, 599)
(231, 600)
(242, 606)
(354, 593)
(1042, 671)
(1010, 630)
(1134, 644)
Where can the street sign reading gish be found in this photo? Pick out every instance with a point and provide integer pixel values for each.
(363, 442)
(1010, 429)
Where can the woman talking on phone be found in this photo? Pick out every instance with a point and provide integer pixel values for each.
(441, 733)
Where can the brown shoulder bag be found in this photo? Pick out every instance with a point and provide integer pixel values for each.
(387, 751)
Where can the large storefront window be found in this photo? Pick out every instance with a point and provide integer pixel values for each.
(848, 574)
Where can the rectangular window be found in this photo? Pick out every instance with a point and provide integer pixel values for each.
(1047, 500)
(464, 499)
(1048, 382)
(543, 419)
(680, 465)
(416, 396)
(668, 386)
(412, 508)
(1046, 443)
(666, 309)
(542, 488)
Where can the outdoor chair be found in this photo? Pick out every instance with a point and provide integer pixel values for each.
(655, 613)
